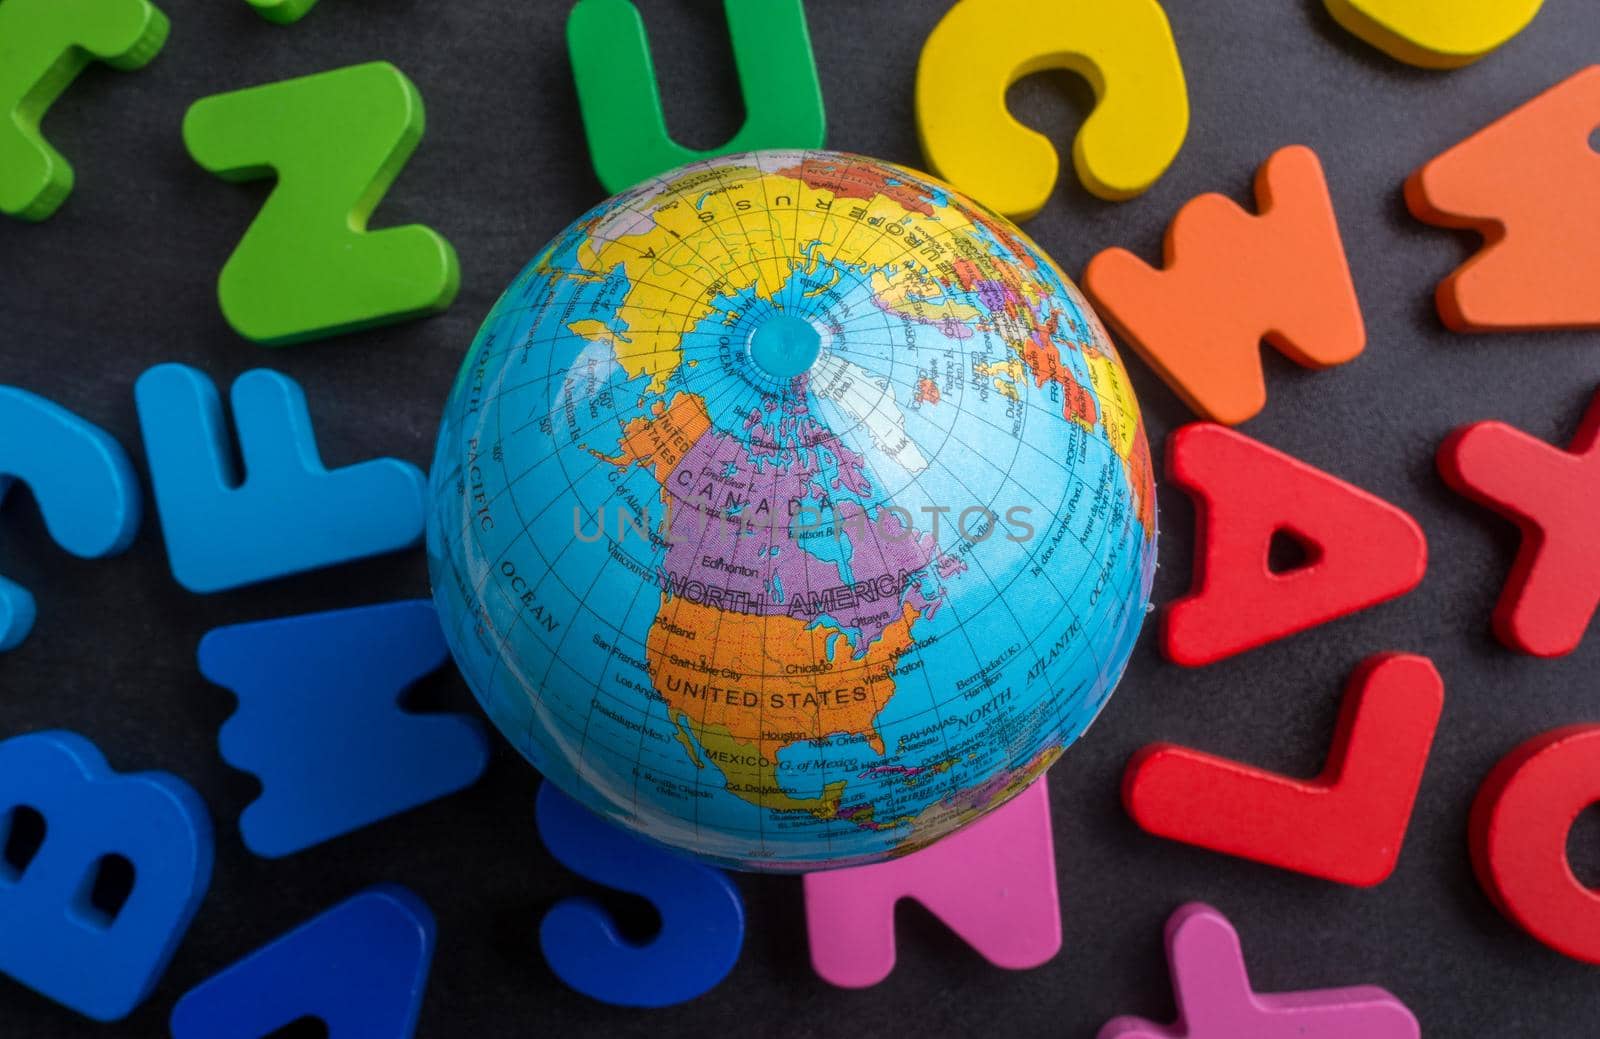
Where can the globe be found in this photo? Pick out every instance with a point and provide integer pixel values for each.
(792, 510)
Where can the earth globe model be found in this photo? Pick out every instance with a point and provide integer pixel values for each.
(792, 510)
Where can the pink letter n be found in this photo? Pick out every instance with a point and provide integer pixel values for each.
(993, 883)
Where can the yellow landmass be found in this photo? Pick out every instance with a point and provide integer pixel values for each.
(595, 330)
(1006, 374)
(719, 232)
(915, 295)
(1119, 412)
(686, 741)
(753, 776)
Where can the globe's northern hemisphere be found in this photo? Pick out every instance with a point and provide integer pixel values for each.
(792, 510)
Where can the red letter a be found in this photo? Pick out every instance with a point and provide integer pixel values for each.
(1362, 550)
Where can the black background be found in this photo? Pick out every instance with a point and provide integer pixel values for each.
(123, 277)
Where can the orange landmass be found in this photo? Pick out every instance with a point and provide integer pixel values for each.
(1043, 359)
(1037, 351)
(766, 680)
(662, 439)
(927, 391)
(1141, 479)
(968, 274)
(864, 181)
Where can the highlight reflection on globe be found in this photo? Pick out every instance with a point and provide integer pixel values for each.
(792, 510)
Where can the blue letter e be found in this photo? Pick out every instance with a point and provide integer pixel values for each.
(100, 874)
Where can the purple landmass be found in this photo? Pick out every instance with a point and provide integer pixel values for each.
(735, 543)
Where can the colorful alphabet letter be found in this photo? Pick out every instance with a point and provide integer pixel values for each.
(320, 723)
(1519, 831)
(993, 882)
(44, 45)
(1435, 34)
(1215, 999)
(702, 915)
(1124, 48)
(1363, 550)
(289, 514)
(1232, 280)
(1530, 184)
(621, 105)
(80, 477)
(308, 267)
(1554, 497)
(361, 968)
(1347, 825)
(283, 11)
(101, 960)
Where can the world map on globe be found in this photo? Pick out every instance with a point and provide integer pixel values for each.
(792, 510)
